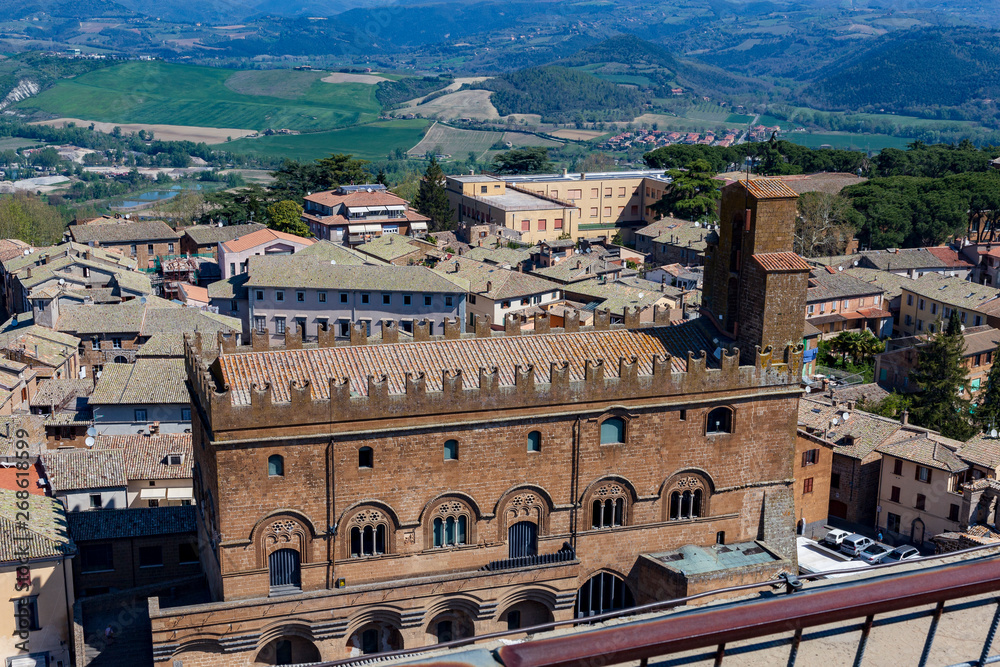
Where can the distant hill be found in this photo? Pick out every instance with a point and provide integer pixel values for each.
(19, 9)
(913, 71)
(563, 94)
(662, 68)
(624, 49)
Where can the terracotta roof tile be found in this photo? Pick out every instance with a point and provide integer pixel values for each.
(145, 456)
(260, 237)
(781, 261)
(78, 469)
(46, 529)
(769, 188)
(317, 366)
(123, 232)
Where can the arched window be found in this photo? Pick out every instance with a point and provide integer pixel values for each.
(603, 592)
(535, 441)
(366, 457)
(451, 524)
(612, 431)
(275, 466)
(369, 534)
(688, 498)
(720, 420)
(608, 506)
(451, 450)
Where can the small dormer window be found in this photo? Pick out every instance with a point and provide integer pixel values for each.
(174, 459)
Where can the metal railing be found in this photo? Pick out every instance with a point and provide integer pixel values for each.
(718, 625)
(562, 556)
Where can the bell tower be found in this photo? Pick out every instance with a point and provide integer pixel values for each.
(755, 285)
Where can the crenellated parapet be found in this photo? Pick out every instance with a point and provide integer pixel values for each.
(298, 397)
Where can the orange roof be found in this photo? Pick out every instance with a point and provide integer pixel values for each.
(949, 256)
(769, 188)
(331, 198)
(194, 292)
(260, 237)
(10, 476)
(781, 261)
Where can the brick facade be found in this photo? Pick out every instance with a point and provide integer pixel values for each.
(813, 466)
(355, 477)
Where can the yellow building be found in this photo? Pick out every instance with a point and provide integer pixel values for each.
(35, 571)
(926, 306)
(548, 206)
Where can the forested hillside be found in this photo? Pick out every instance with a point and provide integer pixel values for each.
(391, 93)
(917, 71)
(563, 95)
(625, 49)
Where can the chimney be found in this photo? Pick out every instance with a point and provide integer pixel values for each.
(28, 275)
(472, 172)
(904, 419)
(579, 264)
(489, 286)
(850, 406)
(457, 267)
(154, 428)
(565, 171)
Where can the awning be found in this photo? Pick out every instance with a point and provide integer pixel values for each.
(153, 494)
(180, 493)
(373, 228)
(395, 208)
(418, 226)
(351, 210)
(355, 229)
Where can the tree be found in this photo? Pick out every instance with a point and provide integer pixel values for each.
(987, 413)
(286, 216)
(824, 225)
(693, 193)
(26, 217)
(941, 375)
(432, 198)
(531, 160)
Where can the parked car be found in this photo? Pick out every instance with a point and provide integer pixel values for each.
(854, 544)
(899, 554)
(873, 553)
(834, 538)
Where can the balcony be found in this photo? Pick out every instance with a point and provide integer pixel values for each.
(564, 555)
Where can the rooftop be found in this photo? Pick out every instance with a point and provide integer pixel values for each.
(855, 438)
(769, 188)
(397, 362)
(825, 286)
(925, 451)
(260, 237)
(499, 256)
(146, 456)
(617, 295)
(492, 281)
(329, 251)
(123, 232)
(982, 450)
(51, 348)
(390, 247)
(692, 560)
(578, 267)
(656, 174)
(334, 198)
(46, 532)
(55, 391)
(291, 272)
(213, 234)
(79, 469)
(163, 345)
(891, 283)
(145, 382)
(156, 315)
(115, 524)
(513, 200)
(957, 292)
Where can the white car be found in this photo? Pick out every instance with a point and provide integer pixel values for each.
(854, 544)
(834, 538)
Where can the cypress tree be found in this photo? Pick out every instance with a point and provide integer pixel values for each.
(940, 375)
(432, 198)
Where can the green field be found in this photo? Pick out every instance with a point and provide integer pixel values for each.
(738, 118)
(708, 112)
(13, 143)
(372, 141)
(847, 141)
(455, 142)
(158, 92)
(631, 79)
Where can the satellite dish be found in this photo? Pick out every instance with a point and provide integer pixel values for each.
(142, 299)
(27, 252)
(641, 295)
(89, 441)
(809, 390)
(993, 433)
(62, 281)
(846, 416)
(332, 262)
(92, 431)
(836, 421)
(855, 262)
